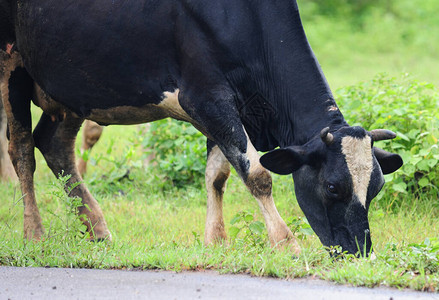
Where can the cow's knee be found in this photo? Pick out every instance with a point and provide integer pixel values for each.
(259, 182)
(21, 154)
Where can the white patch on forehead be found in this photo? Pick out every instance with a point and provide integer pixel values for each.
(358, 155)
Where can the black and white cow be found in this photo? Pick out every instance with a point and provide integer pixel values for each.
(242, 72)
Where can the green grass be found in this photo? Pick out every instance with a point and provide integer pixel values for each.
(162, 228)
(393, 41)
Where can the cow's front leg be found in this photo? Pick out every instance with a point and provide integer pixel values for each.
(56, 140)
(258, 181)
(219, 120)
(217, 173)
(16, 89)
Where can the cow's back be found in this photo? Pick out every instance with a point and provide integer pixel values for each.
(97, 54)
(100, 55)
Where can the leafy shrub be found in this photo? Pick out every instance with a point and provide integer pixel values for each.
(426, 255)
(300, 227)
(251, 232)
(67, 224)
(116, 166)
(178, 150)
(416, 257)
(410, 108)
(245, 230)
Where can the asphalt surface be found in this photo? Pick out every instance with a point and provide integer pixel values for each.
(44, 283)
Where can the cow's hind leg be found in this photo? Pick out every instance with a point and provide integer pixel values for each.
(90, 136)
(56, 141)
(16, 89)
(217, 173)
(6, 168)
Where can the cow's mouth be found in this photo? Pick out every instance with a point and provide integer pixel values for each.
(351, 242)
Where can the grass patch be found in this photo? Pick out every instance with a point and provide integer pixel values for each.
(155, 225)
(163, 230)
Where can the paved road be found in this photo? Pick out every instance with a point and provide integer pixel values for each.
(41, 283)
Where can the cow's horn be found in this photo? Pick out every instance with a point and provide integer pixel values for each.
(326, 136)
(382, 134)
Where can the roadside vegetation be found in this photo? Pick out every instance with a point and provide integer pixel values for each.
(156, 212)
(353, 40)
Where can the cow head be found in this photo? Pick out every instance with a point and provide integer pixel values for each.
(336, 175)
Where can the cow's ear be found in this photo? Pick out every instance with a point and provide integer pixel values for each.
(389, 162)
(284, 161)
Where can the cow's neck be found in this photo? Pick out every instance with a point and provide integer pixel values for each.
(288, 75)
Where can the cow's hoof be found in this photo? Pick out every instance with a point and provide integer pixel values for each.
(216, 242)
(284, 239)
(290, 244)
(101, 238)
(294, 247)
(33, 234)
(215, 236)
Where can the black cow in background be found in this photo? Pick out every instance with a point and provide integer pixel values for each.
(242, 72)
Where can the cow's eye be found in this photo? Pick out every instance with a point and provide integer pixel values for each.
(331, 188)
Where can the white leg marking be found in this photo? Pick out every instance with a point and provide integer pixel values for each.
(259, 183)
(358, 155)
(217, 173)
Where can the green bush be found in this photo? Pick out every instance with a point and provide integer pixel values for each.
(410, 108)
(352, 11)
(178, 150)
(346, 7)
(416, 257)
